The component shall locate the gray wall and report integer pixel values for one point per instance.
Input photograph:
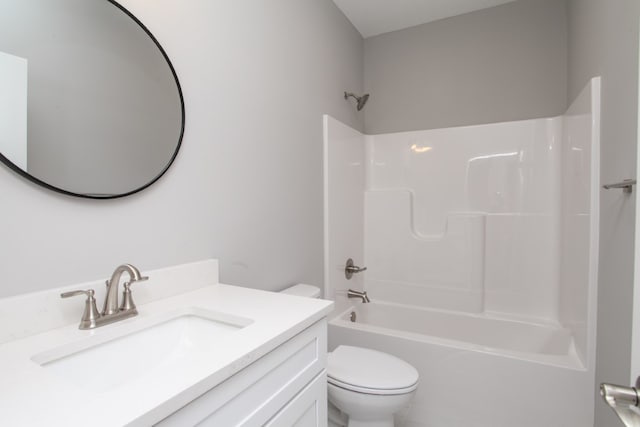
(247, 185)
(603, 40)
(504, 63)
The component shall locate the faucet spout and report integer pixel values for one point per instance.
(111, 300)
(357, 294)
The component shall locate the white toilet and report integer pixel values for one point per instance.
(368, 386)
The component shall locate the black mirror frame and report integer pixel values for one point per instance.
(48, 186)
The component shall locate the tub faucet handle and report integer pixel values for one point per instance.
(350, 269)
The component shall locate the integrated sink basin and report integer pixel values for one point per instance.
(141, 347)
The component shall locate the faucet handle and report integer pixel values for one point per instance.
(350, 269)
(91, 313)
(89, 293)
(127, 299)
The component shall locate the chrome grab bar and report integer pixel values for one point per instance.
(626, 185)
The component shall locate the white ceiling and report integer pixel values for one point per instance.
(373, 17)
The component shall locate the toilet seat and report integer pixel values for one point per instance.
(369, 371)
(364, 390)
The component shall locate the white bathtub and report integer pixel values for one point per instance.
(536, 342)
(476, 370)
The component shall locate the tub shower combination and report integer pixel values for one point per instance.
(480, 244)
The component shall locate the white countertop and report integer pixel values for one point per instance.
(30, 395)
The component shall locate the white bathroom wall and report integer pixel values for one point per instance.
(444, 271)
(344, 184)
(580, 219)
(246, 187)
(466, 218)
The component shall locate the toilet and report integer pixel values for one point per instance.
(366, 385)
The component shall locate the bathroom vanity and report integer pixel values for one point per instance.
(286, 387)
(199, 352)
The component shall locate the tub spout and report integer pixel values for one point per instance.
(357, 294)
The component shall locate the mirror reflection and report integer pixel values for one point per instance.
(90, 103)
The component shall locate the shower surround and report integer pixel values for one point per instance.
(492, 227)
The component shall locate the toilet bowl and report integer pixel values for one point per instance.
(368, 386)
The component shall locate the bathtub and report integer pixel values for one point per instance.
(476, 370)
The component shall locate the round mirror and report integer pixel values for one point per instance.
(91, 105)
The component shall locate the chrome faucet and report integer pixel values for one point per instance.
(111, 312)
(357, 294)
(111, 300)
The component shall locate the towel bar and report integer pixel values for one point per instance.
(626, 185)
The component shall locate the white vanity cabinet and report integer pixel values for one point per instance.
(198, 353)
(284, 388)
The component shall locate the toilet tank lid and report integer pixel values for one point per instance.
(371, 369)
(302, 290)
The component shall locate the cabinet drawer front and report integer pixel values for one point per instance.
(252, 396)
(307, 409)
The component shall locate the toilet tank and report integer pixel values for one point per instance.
(302, 290)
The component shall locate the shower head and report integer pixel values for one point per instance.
(362, 100)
